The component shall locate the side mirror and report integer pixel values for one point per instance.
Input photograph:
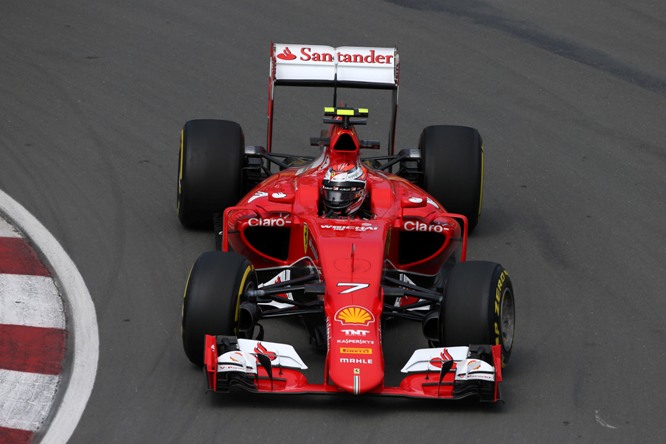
(255, 150)
(410, 153)
(413, 201)
(369, 144)
(281, 197)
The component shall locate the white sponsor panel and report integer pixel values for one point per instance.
(304, 62)
(285, 354)
(376, 65)
(421, 358)
(298, 62)
(475, 369)
(237, 361)
(430, 359)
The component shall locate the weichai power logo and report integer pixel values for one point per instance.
(354, 315)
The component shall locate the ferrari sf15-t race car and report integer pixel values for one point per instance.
(343, 241)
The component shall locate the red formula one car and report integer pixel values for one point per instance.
(345, 243)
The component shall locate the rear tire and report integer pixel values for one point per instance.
(478, 307)
(212, 155)
(452, 166)
(213, 294)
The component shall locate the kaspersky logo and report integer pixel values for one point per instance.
(354, 315)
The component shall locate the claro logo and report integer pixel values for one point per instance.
(414, 225)
(273, 222)
(307, 54)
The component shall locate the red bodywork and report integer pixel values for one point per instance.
(351, 255)
(280, 222)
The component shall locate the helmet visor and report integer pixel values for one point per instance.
(340, 195)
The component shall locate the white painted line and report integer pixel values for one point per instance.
(25, 399)
(32, 301)
(82, 324)
(602, 423)
(7, 230)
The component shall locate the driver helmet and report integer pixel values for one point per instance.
(343, 189)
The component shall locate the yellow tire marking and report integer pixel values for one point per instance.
(481, 189)
(180, 166)
(248, 270)
(182, 310)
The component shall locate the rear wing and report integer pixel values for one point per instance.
(326, 66)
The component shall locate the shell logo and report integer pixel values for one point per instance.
(353, 315)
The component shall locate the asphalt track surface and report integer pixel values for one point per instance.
(569, 96)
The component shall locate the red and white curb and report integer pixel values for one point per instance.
(32, 338)
(37, 382)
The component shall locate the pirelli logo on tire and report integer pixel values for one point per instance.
(498, 291)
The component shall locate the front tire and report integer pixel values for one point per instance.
(212, 155)
(213, 294)
(478, 307)
(452, 167)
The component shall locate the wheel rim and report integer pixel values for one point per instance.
(507, 317)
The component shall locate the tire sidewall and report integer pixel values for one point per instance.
(471, 312)
(210, 165)
(212, 298)
(452, 166)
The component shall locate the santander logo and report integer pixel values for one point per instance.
(286, 55)
(325, 54)
(261, 350)
(443, 357)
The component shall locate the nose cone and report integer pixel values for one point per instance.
(356, 363)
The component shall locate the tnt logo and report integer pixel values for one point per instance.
(350, 332)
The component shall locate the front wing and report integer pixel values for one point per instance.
(274, 368)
